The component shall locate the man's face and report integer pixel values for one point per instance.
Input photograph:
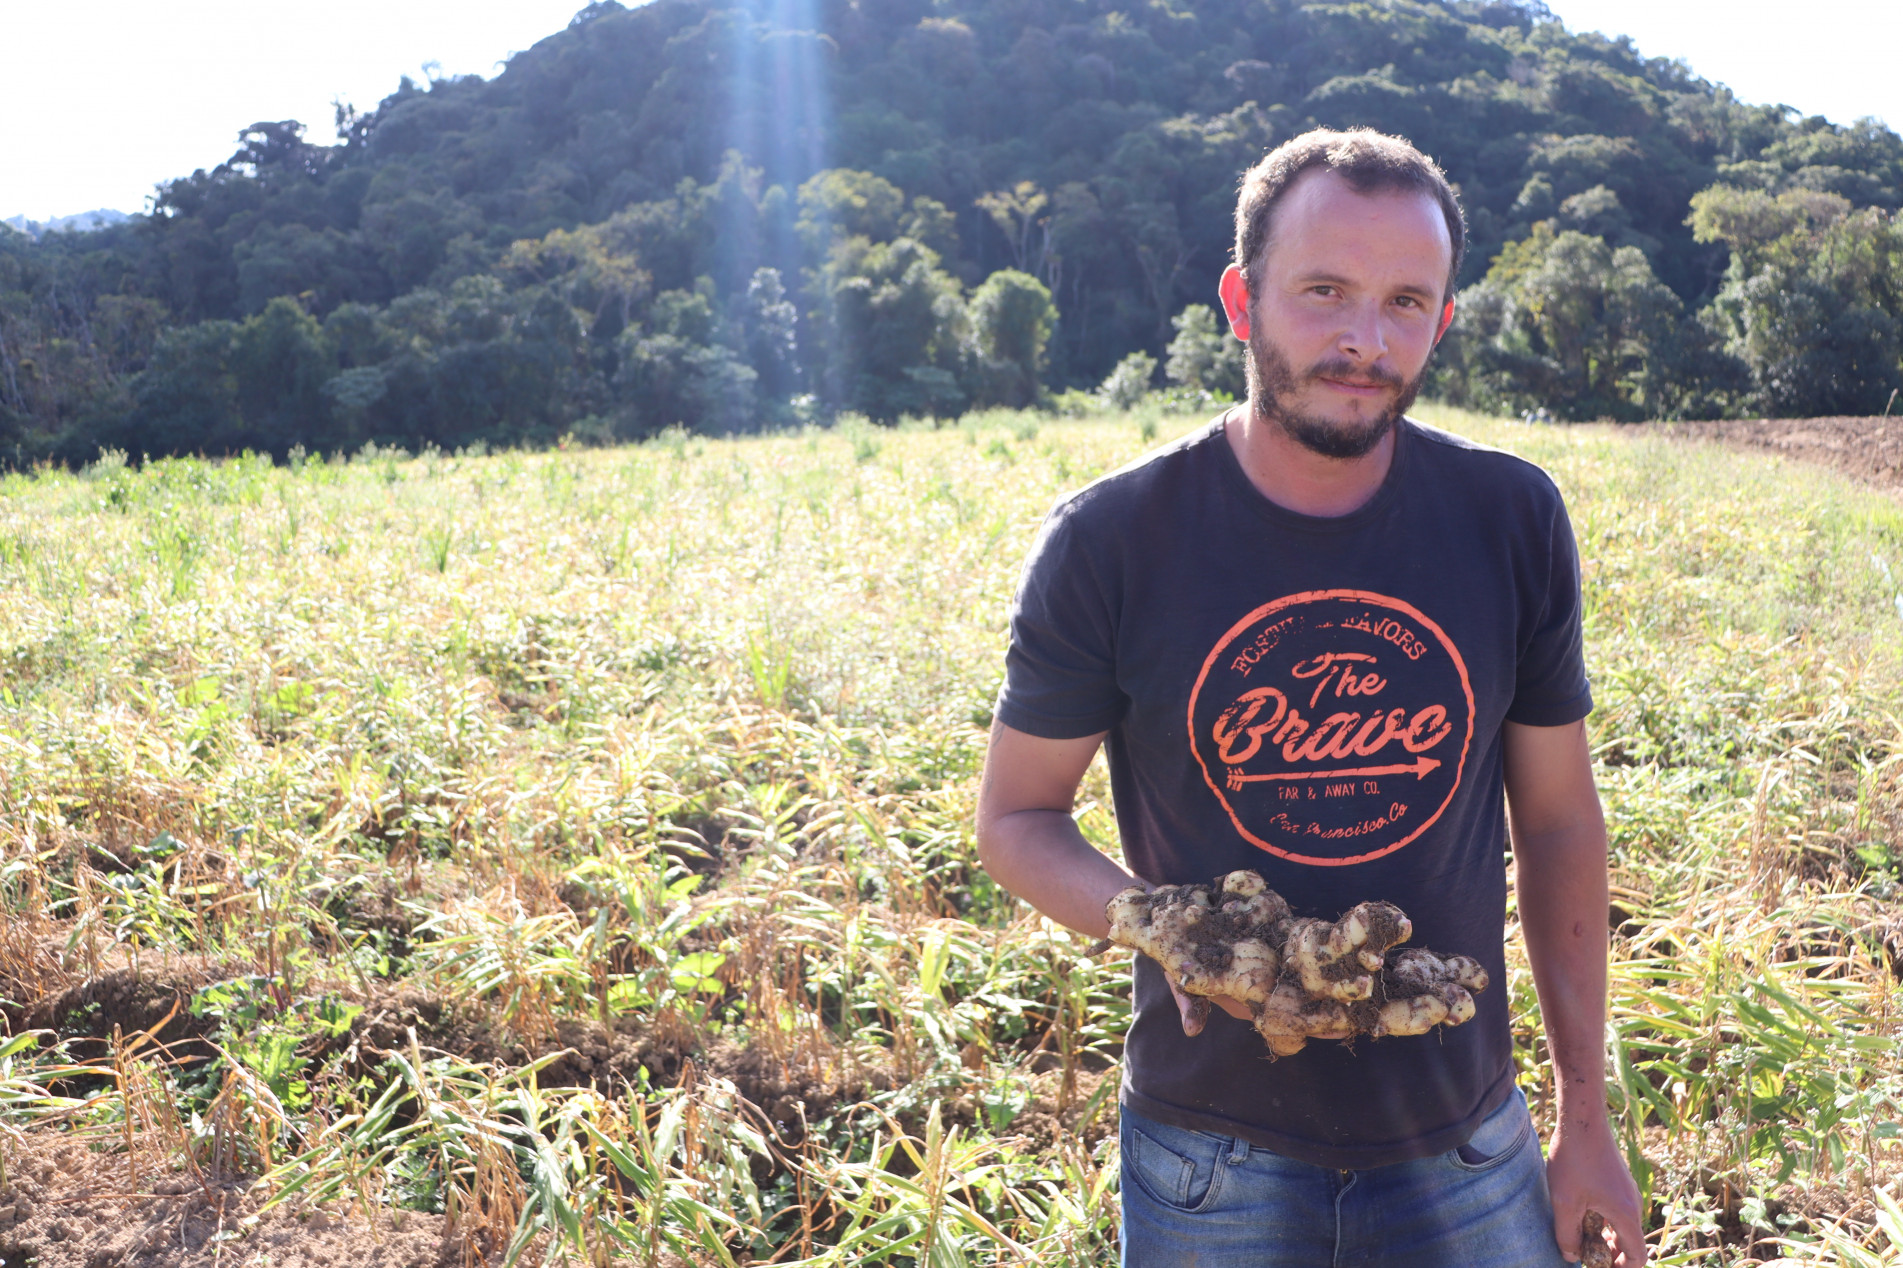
(1342, 311)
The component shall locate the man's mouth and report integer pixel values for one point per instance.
(1357, 387)
(1355, 380)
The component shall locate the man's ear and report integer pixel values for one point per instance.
(1446, 320)
(1234, 290)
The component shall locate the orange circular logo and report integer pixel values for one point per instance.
(1333, 725)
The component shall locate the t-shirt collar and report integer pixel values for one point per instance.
(1281, 515)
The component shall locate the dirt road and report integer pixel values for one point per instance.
(1870, 449)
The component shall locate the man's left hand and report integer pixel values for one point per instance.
(1586, 1172)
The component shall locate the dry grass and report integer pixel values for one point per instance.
(577, 845)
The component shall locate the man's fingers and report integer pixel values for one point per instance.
(1194, 1016)
(1630, 1235)
(1195, 1010)
(1233, 1006)
(1566, 1233)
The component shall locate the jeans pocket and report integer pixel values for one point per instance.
(1500, 1136)
(1183, 1174)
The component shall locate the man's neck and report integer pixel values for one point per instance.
(1295, 477)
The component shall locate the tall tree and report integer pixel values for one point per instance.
(1011, 321)
(1813, 297)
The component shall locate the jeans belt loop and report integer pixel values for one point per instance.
(1238, 1150)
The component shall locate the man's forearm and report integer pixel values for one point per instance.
(1559, 852)
(1040, 856)
(1027, 840)
(1562, 888)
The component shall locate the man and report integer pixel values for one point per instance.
(1319, 640)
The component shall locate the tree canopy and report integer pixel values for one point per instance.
(727, 215)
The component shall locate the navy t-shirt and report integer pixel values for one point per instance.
(1321, 700)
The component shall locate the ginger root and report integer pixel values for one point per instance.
(1301, 978)
(1593, 1251)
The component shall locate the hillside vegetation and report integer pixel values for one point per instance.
(730, 215)
(574, 848)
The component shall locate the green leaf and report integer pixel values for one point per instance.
(333, 1017)
(21, 1042)
(933, 958)
(694, 972)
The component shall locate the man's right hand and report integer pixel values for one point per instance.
(1195, 1008)
(1029, 843)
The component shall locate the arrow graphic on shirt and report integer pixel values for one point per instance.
(1417, 768)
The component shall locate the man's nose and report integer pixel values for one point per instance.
(1363, 338)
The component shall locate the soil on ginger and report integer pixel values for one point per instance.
(1868, 449)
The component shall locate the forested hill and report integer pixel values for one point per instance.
(730, 215)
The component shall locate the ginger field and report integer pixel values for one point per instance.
(568, 856)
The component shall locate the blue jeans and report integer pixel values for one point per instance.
(1196, 1200)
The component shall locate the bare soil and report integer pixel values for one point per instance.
(68, 1200)
(1868, 449)
(611, 1056)
(63, 1205)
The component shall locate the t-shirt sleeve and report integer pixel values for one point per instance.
(1551, 687)
(1060, 670)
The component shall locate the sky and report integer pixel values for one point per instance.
(1837, 58)
(101, 101)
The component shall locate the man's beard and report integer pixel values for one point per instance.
(1273, 381)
